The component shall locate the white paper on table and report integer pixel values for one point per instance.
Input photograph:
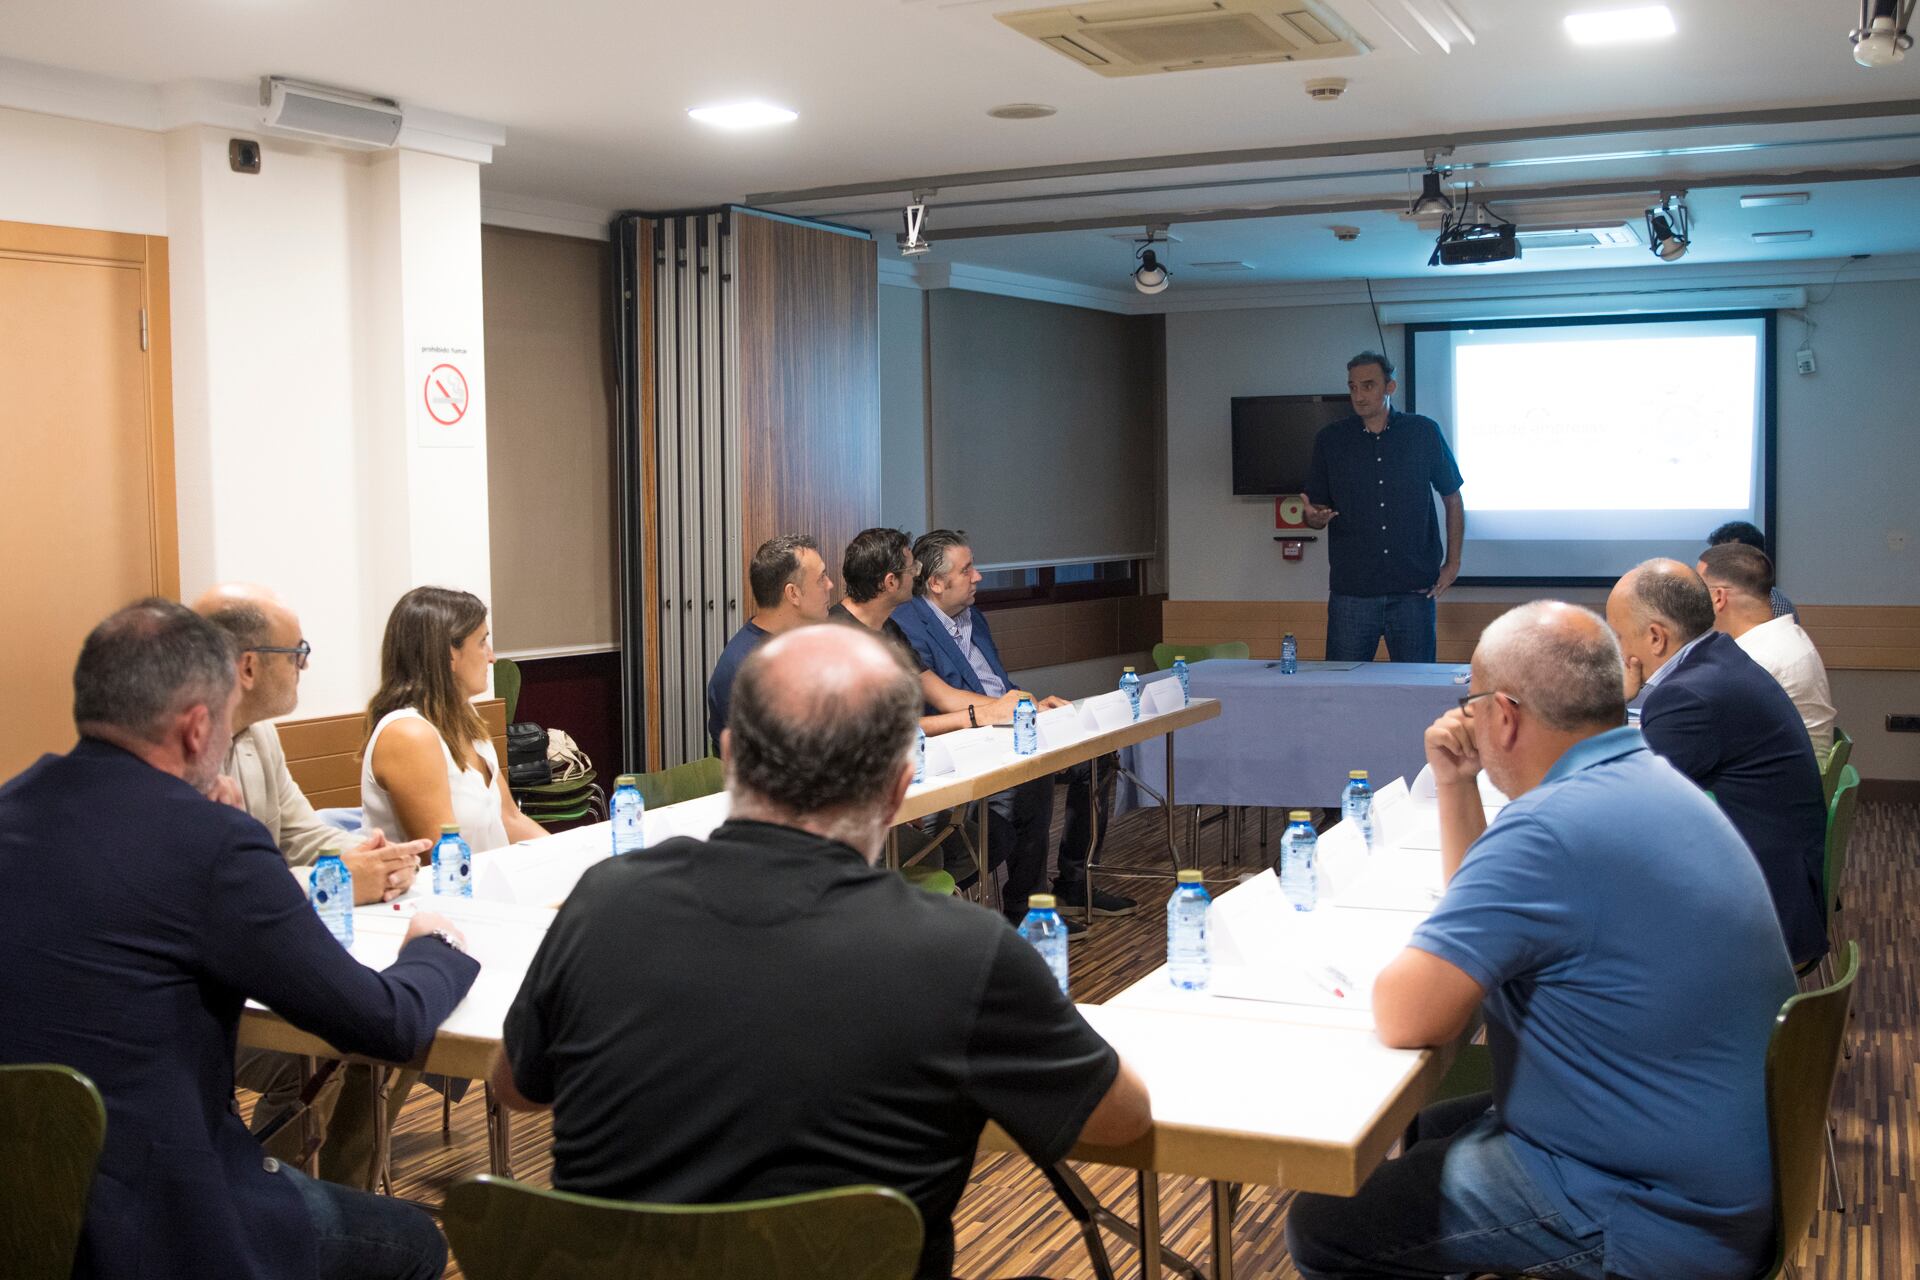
(1265, 950)
(1059, 727)
(1391, 879)
(1161, 696)
(1422, 830)
(939, 758)
(1390, 806)
(693, 818)
(1106, 712)
(539, 873)
(1424, 788)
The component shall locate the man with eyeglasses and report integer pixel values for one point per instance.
(254, 778)
(1619, 941)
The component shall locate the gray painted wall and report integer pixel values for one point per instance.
(903, 409)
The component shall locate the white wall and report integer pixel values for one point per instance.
(299, 295)
(1848, 449)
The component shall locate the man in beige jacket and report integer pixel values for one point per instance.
(255, 778)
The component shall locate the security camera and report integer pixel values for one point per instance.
(243, 155)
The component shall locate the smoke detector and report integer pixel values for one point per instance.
(1327, 90)
(1345, 234)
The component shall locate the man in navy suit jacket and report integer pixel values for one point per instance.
(1722, 720)
(142, 916)
(951, 636)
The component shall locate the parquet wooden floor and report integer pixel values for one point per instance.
(1008, 1224)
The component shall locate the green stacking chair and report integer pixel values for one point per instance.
(1846, 799)
(1837, 756)
(505, 1230)
(52, 1126)
(1802, 1059)
(1164, 654)
(683, 782)
(506, 684)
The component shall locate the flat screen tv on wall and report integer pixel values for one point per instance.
(1273, 440)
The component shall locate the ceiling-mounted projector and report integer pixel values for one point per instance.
(1465, 245)
(334, 115)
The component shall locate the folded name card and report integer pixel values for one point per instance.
(939, 758)
(1106, 713)
(1058, 728)
(529, 876)
(1161, 696)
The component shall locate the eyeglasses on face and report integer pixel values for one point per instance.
(299, 652)
(1489, 693)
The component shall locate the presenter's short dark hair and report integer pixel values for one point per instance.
(932, 550)
(870, 557)
(148, 662)
(817, 751)
(774, 565)
(1372, 357)
(1738, 531)
(1735, 564)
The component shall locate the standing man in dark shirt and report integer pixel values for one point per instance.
(766, 1012)
(788, 578)
(1371, 487)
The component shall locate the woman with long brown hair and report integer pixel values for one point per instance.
(428, 760)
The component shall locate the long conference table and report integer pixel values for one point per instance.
(1271, 1076)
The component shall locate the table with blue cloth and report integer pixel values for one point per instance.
(1289, 741)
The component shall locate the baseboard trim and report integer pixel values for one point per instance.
(1891, 790)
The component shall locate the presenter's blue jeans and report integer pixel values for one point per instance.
(362, 1236)
(1356, 623)
(1456, 1202)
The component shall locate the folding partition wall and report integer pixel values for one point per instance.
(748, 372)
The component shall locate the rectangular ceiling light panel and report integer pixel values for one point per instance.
(1153, 37)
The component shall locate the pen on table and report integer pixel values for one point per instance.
(1330, 980)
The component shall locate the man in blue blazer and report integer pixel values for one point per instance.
(1721, 719)
(141, 916)
(950, 634)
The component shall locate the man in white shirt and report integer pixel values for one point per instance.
(1740, 579)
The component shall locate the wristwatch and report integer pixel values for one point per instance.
(447, 938)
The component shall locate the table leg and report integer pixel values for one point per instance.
(309, 1130)
(1173, 848)
(377, 1173)
(1148, 1183)
(1093, 827)
(1222, 1230)
(499, 1138)
(983, 860)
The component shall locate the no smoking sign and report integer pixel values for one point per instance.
(446, 394)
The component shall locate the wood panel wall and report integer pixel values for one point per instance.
(1045, 635)
(323, 754)
(1849, 637)
(809, 383)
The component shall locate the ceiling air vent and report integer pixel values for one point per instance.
(1149, 37)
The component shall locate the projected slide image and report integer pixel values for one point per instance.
(1607, 424)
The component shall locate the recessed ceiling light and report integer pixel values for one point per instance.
(1780, 237)
(1021, 111)
(1767, 199)
(743, 115)
(1615, 26)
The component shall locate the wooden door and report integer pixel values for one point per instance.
(86, 461)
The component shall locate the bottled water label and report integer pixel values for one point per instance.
(1299, 869)
(1130, 685)
(1356, 806)
(1189, 962)
(330, 889)
(453, 867)
(1185, 678)
(1026, 730)
(919, 754)
(629, 821)
(1289, 655)
(1044, 928)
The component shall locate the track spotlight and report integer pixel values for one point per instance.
(1150, 275)
(1668, 232)
(914, 242)
(1881, 39)
(1432, 199)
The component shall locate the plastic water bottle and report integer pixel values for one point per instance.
(919, 754)
(1356, 805)
(1299, 862)
(330, 889)
(628, 810)
(1026, 733)
(1289, 655)
(1130, 685)
(1189, 963)
(1044, 928)
(452, 864)
(1185, 678)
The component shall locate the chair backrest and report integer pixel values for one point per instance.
(52, 1125)
(1164, 653)
(505, 1230)
(1846, 798)
(687, 781)
(1802, 1057)
(506, 684)
(1837, 756)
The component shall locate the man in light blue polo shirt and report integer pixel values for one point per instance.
(1620, 941)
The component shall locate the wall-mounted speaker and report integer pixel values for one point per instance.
(332, 115)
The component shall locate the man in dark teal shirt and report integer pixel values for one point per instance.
(1371, 487)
